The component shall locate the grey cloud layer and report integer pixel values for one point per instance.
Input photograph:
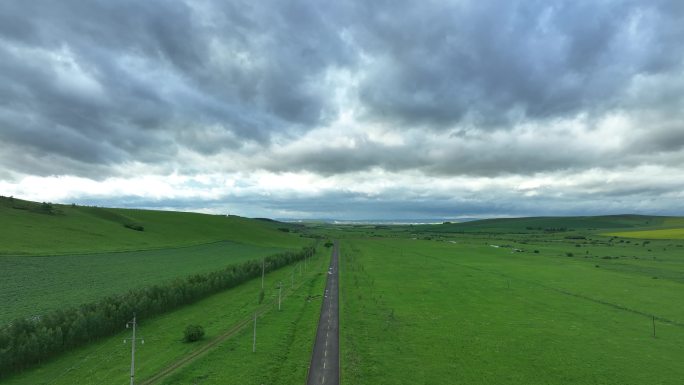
(107, 82)
(88, 86)
(494, 63)
(588, 199)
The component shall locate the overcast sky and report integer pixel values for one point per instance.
(345, 109)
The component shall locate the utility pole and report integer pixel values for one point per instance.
(133, 323)
(263, 270)
(254, 339)
(280, 289)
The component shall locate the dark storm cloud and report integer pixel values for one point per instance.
(86, 87)
(109, 82)
(495, 63)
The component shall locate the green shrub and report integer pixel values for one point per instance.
(193, 333)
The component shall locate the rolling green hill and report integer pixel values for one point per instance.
(53, 256)
(555, 224)
(31, 228)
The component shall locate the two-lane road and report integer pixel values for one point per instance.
(325, 358)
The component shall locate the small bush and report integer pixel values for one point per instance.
(328, 244)
(569, 254)
(43, 208)
(193, 333)
(134, 226)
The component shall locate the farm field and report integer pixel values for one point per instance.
(676, 233)
(283, 338)
(470, 309)
(33, 285)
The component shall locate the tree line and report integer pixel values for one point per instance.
(28, 341)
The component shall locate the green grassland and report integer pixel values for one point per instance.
(506, 301)
(284, 340)
(488, 309)
(284, 343)
(30, 228)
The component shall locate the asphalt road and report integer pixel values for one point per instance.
(325, 358)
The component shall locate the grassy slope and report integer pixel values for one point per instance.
(37, 273)
(285, 339)
(424, 312)
(522, 225)
(86, 229)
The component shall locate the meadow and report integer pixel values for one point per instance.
(511, 309)
(284, 338)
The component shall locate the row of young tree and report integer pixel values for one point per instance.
(28, 341)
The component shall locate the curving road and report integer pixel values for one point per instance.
(325, 358)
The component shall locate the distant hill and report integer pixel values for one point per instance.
(33, 228)
(558, 224)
